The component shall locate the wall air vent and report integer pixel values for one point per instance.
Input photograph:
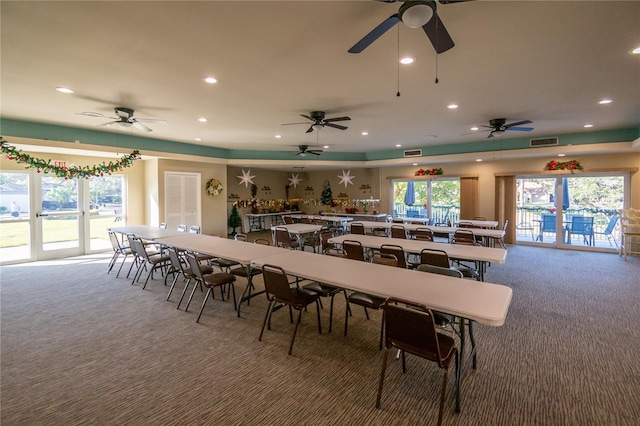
(413, 153)
(544, 142)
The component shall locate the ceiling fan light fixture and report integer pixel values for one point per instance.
(317, 127)
(124, 124)
(416, 13)
(497, 133)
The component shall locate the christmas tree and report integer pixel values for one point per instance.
(326, 197)
(234, 219)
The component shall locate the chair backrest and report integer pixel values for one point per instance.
(398, 231)
(194, 229)
(194, 265)
(434, 257)
(413, 213)
(506, 223)
(612, 224)
(163, 225)
(385, 259)
(582, 225)
(463, 236)
(139, 248)
(397, 220)
(397, 251)
(305, 220)
(240, 237)
(288, 220)
(548, 223)
(182, 228)
(175, 259)
(411, 326)
(282, 237)
(115, 243)
(336, 252)
(262, 241)
(423, 234)
(463, 224)
(325, 235)
(357, 228)
(353, 249)
(440, 270)
(479, 218)
(276, 283)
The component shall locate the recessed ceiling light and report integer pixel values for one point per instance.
(202, 120)
(278, 136)
(605, 101)
(364, 133)
(210, 80)
(588, 125)
(474, 128)
(452, 106)
(561, 155)
(478, 159)
(398, 145)
(636, 51)
(199, 139)
(415, 164)
(326, 146)
(64, 89)
(407, 60)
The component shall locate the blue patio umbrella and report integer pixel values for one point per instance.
(410, 194)
(566, 203)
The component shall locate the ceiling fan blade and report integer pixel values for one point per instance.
(140, 126)
(151, 120)
(291, 124)
(438, 34)
(336, 126)
(109, 123)
(330, 120)
(452, 1)
(307, 117)
(310, 129)
(520, 129)
(386, 25)
(95, 114)
(507, 126)
(314, 152)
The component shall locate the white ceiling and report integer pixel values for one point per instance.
(550, 62)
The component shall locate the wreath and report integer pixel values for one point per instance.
(214, 187)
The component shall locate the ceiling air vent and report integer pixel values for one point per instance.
(544, 142)
(413, 153)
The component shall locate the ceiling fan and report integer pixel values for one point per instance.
(303, 150)
(317, 121)
(421, 13)
(497, 127)
(124, 119)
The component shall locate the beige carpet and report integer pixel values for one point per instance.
(79, 346)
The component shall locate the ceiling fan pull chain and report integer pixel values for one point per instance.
(398, 64)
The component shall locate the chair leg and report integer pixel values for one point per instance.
(204, 302)
(346, 316)
(443, 391)
(266, 317)
(195, 285)
(295, 330)
(382, 329)
(457, 378)
(331, 313)
(113, 260)
(121, 265)
(382, 373)
(173, 283)
(318, 312)
(184, 290)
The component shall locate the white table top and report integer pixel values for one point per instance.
(482, 302)
(480, 223)
(419, 220)
(270, 214)
(334, 219)
(239, 251)
(456, 251)
(299, 228)
(146, 232)
(369, 215)
(480, 232)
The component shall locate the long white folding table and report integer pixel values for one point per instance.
(482, 255)
(358, 216)
(239, 251)
(482, 302)
(146, 232)
(490, 224)
(480, 232)
(297, 229)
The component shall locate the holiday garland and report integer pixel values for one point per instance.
(72, 172)
(563, 165)
(429, 172)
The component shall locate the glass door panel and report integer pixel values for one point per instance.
(15, 230)
(59, 224)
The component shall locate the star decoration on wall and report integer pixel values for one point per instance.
(346, 178)
(246, 178)
(294, 180)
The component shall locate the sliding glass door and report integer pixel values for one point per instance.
(436, 199)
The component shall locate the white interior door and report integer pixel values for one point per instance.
(182, 199)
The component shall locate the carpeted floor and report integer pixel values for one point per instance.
(79, 346)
